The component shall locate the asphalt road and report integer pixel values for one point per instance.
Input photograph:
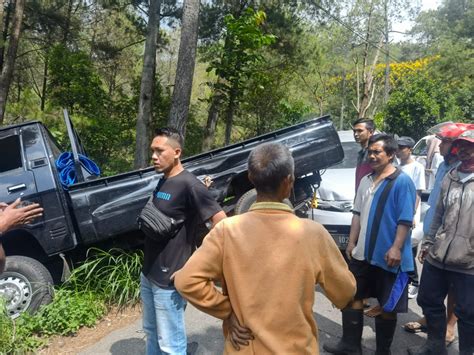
(205, 336)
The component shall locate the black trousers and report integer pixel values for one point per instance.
(434, 287)
(413, 275)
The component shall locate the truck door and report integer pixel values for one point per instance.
(15, 181)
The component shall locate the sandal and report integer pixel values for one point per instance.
(415, 327)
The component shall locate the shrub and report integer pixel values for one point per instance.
(113, 274)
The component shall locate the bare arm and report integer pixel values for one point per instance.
(353, 235)
(393, 255)
(12, 216)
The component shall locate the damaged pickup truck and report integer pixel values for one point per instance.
(103, 211)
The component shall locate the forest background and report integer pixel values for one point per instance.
(224, 70)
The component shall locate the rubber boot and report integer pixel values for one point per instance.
(436, 343)
(466, 338)
(384, 331)
(352, 324)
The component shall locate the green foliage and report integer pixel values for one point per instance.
(113, 274)
(236, 61)
(106, 279)
(73, 81)
(417, 103)
(69, 311)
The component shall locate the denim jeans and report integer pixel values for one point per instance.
(163, 319)
(434, 286)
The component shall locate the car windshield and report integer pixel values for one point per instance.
(350, 156)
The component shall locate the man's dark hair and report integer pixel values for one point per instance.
(369, 124)
(268, 165)
(389, 143)
(172, 133)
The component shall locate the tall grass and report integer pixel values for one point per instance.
(113, 274)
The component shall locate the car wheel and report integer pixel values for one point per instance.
(248, 199)
(25, 284)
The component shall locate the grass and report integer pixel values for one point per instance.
(105, 279)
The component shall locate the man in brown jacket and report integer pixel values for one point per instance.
(269, 262)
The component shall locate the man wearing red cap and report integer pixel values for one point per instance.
(449, 252)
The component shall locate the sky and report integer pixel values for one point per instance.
(406, 25)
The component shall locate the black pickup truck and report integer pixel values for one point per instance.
(95, 211)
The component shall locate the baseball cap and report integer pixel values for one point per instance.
(405, 141)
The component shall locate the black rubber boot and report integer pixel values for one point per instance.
(384, 331)
(466, 338)
(352, 324)
(436, 342)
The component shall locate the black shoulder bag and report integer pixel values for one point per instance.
(157, 225)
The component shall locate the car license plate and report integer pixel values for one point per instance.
(341, 240)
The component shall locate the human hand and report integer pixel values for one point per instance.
(349, 248)
(13, 215)
(3, 205)
(424, 250)
(207, 181)
(393, 256)
(238, 334)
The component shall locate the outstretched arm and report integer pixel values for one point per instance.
(12, 215)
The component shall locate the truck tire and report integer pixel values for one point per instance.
(26, 284)
(247, 200)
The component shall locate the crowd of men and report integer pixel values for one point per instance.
(251, 255)
(267, 261)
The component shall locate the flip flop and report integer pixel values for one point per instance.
(414, 327)
(373, 311)
(450, 339)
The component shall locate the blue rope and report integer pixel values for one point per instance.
(67, 170)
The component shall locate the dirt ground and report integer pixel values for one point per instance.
(88, 336)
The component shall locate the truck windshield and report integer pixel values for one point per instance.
(11, 153)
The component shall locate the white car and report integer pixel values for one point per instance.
(335, 195)
(336, 192)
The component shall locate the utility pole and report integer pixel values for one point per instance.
(343, 100)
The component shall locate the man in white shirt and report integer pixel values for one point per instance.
(416, 172)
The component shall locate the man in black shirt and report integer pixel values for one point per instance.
(180, 195)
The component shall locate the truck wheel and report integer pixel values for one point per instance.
(25, 284)
(247, 200)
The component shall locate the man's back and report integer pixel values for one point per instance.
(270, 261)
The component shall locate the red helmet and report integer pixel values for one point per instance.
(467, 135)
(450, 130)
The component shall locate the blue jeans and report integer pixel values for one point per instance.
(163, 319)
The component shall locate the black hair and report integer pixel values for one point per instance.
(369, 124)
(390, 145)
(268, 165)
(172, 133)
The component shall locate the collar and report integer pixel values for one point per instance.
(271, 206)
(392, 176)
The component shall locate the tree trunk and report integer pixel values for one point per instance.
(185, 69)
(212, 118)
(45, 82)
(67, 25)
(7, 70)
(146, 87)
(5, 24)
(230, 116)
